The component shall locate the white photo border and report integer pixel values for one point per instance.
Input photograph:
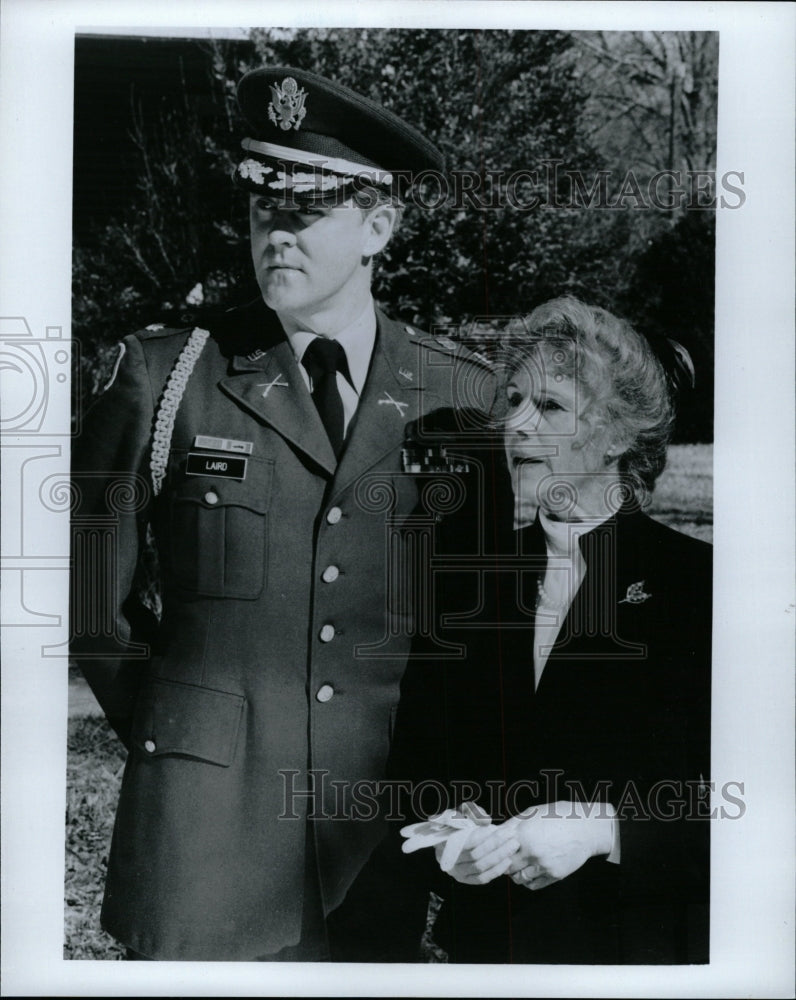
(752, 859)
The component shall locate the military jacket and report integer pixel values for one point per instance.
(266, 694)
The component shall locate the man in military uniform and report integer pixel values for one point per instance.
(268, 456)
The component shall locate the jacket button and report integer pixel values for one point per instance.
(211, 497)
(330, 574)
(327, 633)
(325, 692)
(333, 515)
(149, 746)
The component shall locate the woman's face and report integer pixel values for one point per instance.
(556, 444)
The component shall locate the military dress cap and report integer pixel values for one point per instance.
(311, 134)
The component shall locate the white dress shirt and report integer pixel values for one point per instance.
(564, 574)
(357, 340)
(563, 577)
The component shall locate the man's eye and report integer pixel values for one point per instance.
(312, 210)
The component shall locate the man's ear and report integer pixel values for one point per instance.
(379, 224)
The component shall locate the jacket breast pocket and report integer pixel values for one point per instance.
(185, 720)
(218, 530)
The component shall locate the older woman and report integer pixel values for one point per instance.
(577, 718)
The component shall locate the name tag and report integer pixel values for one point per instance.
(225, 466)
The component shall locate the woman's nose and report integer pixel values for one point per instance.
(523, 421)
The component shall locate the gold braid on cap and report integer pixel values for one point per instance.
(169, 404)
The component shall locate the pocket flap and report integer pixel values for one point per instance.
(253, 491)
(176, 718)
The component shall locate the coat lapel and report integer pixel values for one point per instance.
(269, 384)
(390, 400)
(592, 628)
(388, 403)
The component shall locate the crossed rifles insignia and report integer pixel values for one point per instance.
(268, 386)
(287, 105)
(389, 401)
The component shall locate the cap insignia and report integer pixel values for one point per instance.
(287, 105)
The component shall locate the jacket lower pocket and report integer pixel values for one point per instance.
(187, 720)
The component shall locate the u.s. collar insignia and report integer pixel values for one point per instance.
(635, 594)
(287, 105)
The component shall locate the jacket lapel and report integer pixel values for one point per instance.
(388, 403)
(592, 629)
(269, 384)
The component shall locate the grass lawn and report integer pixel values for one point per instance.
(95, 760)
(683, 496)
(94, 763)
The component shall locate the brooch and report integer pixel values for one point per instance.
(635, 594)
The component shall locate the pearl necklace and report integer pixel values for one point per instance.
(545, 600)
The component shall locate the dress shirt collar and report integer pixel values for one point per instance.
(357, 341)
(559, 535)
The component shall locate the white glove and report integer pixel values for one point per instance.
(454, 833)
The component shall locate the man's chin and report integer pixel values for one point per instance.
(281, 300)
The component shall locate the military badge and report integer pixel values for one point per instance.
(223, 444)
(435, 458)
(399, 405)
(115, 372)
(268, 386)
(286, 108)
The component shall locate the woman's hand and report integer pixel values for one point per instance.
(485, 853)
(557, 839)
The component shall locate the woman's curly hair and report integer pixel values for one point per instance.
(622, 378)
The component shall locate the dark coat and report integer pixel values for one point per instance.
(622, 713)
(240, 697)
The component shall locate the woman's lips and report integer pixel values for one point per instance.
(518, 460)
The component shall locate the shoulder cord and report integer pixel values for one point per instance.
(169, 404)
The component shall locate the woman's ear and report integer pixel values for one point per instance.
(614, 452)
(379, 224)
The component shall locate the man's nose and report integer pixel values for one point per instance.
(281, 231)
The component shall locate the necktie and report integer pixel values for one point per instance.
(323, 359)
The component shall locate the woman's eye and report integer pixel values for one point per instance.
(514, 397)
(550, 405)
